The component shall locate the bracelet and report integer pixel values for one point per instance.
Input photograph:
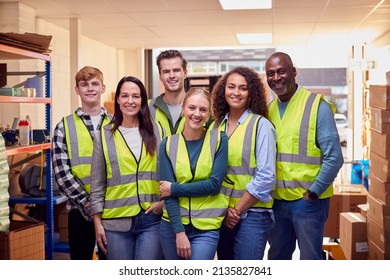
(234, 207)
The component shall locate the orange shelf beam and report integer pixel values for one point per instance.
(11, 151)
(9, 52)
(22, 99)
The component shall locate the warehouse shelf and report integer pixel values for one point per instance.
(14, 53)
(17, 150)
(23, 199)
(23, 99)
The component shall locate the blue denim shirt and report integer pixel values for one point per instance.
(261, 185)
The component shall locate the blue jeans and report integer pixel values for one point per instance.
(203, 242)
(298, 220)
(247, 240)
(141, 242)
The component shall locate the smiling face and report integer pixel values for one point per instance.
(281, 75)
(196, 111)
(172, 74)
(90, 91)
(236, 92)
(129, 100)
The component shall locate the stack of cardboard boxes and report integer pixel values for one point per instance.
(346, 198)
(378, 198)
(353, 235)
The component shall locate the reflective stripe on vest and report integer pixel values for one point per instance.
(302, 157)
(131, 184)
(79, 143)
(162, 121)
(205, 212)
(242, 163)
(298, 159)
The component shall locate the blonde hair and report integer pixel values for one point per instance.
(197, 90)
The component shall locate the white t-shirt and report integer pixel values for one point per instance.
(133, 139)
(95, 121)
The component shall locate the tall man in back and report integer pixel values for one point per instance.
(166, 108)
(309, 157)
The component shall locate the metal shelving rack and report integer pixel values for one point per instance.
(12, 53)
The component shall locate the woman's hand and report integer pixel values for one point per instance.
(100, 233)
(156, 208)
(165, 189)
(232, 218)
(183, 246)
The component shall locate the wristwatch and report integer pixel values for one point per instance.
(312, 195)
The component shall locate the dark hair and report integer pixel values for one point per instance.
(171, 54)
(145, 119)
(282, 54)
(257, 99)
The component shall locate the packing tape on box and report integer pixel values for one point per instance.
(356, 217)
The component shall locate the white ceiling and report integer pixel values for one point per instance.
(202, 23)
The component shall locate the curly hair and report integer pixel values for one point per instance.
(257, 97)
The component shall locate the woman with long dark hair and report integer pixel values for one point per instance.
(125, 196)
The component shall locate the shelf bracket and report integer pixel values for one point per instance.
(13, 165)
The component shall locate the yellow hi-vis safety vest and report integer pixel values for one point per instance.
(162, 121)
(131, 185)
(242, 160)
(79, 143)
(204, 212)
(298, 158)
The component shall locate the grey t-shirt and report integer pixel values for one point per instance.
(175, 111)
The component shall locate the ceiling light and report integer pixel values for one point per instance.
(245, 4)
(255, 38)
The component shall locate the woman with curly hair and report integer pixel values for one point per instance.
(240, 109)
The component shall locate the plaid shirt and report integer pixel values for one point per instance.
(69, 185)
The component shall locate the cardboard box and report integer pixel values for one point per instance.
(380, 166)
(353, 236)
(380, 143)
(379, 96)
(380, 120)
(24, 241)
(343, 202)
(63, 234)
(378, 235)
(375, 253)
(379, 189)
(363, 208)
(60, 216)
(378, 211)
